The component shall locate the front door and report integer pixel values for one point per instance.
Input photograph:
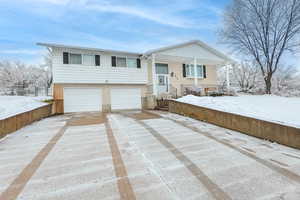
(163, 83)
(162, 77)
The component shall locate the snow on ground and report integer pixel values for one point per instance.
(12, 105)
(284, 110)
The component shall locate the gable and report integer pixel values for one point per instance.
(192, 50)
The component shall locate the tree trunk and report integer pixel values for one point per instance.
(268, 84)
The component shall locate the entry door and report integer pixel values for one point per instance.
(162, 77)
(163, 83)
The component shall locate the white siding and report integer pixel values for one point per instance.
(191, 51)
(66, 73)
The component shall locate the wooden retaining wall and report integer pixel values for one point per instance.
(14, 123)
(282, 134)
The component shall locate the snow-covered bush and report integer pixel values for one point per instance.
(246, 77)
(15, 75)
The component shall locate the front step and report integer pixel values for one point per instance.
(164, 108)
(162, 104)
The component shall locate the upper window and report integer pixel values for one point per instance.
(88, 60)
(190, 72)
(131, 62)
(161, 68)
(75, 59)
(121, 62)
(125, 62)
(81, 59)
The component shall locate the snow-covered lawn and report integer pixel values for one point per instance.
(284, 110)
(12, 105)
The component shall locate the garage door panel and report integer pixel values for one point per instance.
(82, 99)
(125, 98)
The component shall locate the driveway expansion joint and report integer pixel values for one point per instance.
(211, 187)
(124, 185)
(17, 186)
(280, 170)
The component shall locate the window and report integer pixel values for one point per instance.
(161, 80)
(190, 71)
(161, 68)
(75, 59)
(88, 60)
(121, 62)
(125, 62)
(131, 63)
(81, 59)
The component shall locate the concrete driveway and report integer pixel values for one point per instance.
(143, 155)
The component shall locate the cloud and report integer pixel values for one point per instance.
(129, 25)
(170, 13)
(150, 14)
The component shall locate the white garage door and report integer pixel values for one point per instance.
(125, 98)
(82, 99)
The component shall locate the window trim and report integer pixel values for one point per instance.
(188, 75)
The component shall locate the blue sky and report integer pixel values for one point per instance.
(132, 25)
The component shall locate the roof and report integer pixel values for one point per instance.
(86, 48)
(147, 53)
(198, 42)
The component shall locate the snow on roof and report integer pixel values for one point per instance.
(198, 42)
(86, 48)
(147, 53)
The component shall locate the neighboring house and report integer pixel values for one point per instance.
(90, 79)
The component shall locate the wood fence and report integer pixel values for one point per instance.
(14, 123)
(282, 134)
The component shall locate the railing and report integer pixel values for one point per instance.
(173, 92)
(162, 104)
(198, 91)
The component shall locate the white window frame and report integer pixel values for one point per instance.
(127, 57)
(188, 75)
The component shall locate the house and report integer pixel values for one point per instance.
(92, 79)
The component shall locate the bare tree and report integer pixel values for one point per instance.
(47, 65)
(286, 81)
(15, 74)
(246, 75)
(11, 73)
(221, 78)
(264, 30)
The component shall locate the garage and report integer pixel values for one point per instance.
(125, 98)
(83, 99)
